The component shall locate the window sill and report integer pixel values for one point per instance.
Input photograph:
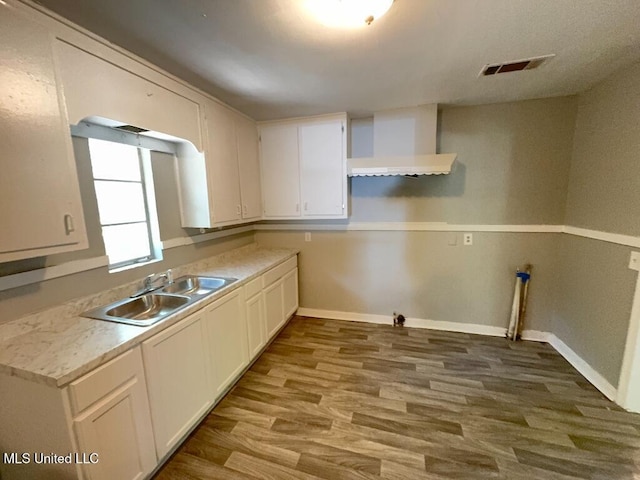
(134, 265)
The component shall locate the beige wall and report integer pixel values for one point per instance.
(594, 303)
(593, 311)
(512, 168)
(29, 298)
(420, 275)
(604, 191)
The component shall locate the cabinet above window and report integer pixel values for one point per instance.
(101, 92)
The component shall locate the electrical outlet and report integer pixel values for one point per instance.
(634, 261)
(468, 239)
(307, 236)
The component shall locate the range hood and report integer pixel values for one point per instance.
(398, 142)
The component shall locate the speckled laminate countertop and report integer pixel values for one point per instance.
(57, 346)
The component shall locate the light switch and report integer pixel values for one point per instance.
(307, 236)
(634, 261)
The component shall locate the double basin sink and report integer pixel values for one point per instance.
(148, 308)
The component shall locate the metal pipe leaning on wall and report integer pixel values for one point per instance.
(519, 305)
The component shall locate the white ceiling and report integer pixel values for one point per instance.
(269, 59)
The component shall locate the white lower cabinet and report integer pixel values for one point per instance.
(178, 378)
(290, 293)
(274, 308)
(226, 331)
(256, 324)
(115, 428)
(280, 295)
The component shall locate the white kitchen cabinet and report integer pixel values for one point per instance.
(222, 164)
(179, 386)
(249, 166)
(105, 93)
(280, 295)
(221, 187)
(116, 423)
(280, 170)
(39, 192)
(323, 173)
(256, 324)
(274, 308)
(226, 331)
(290, 293)
(304, 169)
(256, 321)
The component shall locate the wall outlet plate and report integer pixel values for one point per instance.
(307, 236)
(467, 239)
(634, 261)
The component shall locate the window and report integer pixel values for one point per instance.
(126, 202)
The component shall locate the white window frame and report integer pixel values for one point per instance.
(144, 148)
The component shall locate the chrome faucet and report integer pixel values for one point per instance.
(150, 280)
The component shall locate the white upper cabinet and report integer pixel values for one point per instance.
(96, 89)
(323, 172)
(249, 166)
(221, 156)
(280, 170)
(221, 187)
(39, 193)
(304, 170)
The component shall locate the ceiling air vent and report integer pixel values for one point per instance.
(514, 66)
(132, 129)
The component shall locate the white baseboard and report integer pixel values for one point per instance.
(410, 322)
(562, 348)
(583, 367)
(535, 336)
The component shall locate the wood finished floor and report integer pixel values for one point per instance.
(341, 400)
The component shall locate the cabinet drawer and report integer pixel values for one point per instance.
(253, 287)
(278, 272)
(103, 380)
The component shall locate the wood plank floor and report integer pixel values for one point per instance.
(341, 400)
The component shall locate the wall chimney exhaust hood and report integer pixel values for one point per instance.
(404, 143)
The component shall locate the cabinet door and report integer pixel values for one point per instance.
(274, 307)
(175, 363)
(222, 164)
(226, 331)
(280, 171)
(249, 165)
(256, 324)
(290, 293)
(323, 174)
(118, 429)
(39, 192)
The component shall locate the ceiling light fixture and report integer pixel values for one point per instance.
(347, 13)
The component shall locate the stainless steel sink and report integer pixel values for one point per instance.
(144, 310)
(147, 309)
(193, 285)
